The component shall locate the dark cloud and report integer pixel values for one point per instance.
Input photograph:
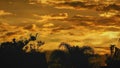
(93, 23)
(75, 4)
(109, 7)
(31, 27)
(7, 31)
(113, 29)
(10, 33)
(86, 5)
(24, 12)
(57, 29)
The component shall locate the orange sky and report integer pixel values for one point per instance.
(79, 22)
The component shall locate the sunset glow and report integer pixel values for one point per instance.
(72, 21)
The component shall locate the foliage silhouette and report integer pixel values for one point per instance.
(13, 55)
(59, 59)
(113, 61)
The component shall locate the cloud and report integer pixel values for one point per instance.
(3, 13)
(44, 18)
(109, 14)
(60, 28)
(94, 23)
(11, 33)
(71, 5)
(76, 22)
(31, 27)
(48, 25)
(80, 28)
(92, 5)
(8, 32)
(102, 50)
(111, 7)
(35, 1)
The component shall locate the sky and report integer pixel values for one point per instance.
(78, 22)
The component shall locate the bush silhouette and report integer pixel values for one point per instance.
(14, 54)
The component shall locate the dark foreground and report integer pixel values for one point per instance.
(12, 55)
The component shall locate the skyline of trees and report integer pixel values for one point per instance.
(12, 55)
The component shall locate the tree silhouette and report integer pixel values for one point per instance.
(33, 38)
(78, 56)
(12, 55)
(59, 59)
(113, 61)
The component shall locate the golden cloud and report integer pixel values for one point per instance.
(63, 25)
(31, 27)
(3, 13)
(45, 18)
(8, 32)
(84, 5)
(48, 25)
(109, 14)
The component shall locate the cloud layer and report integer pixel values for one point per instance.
(76, 22)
